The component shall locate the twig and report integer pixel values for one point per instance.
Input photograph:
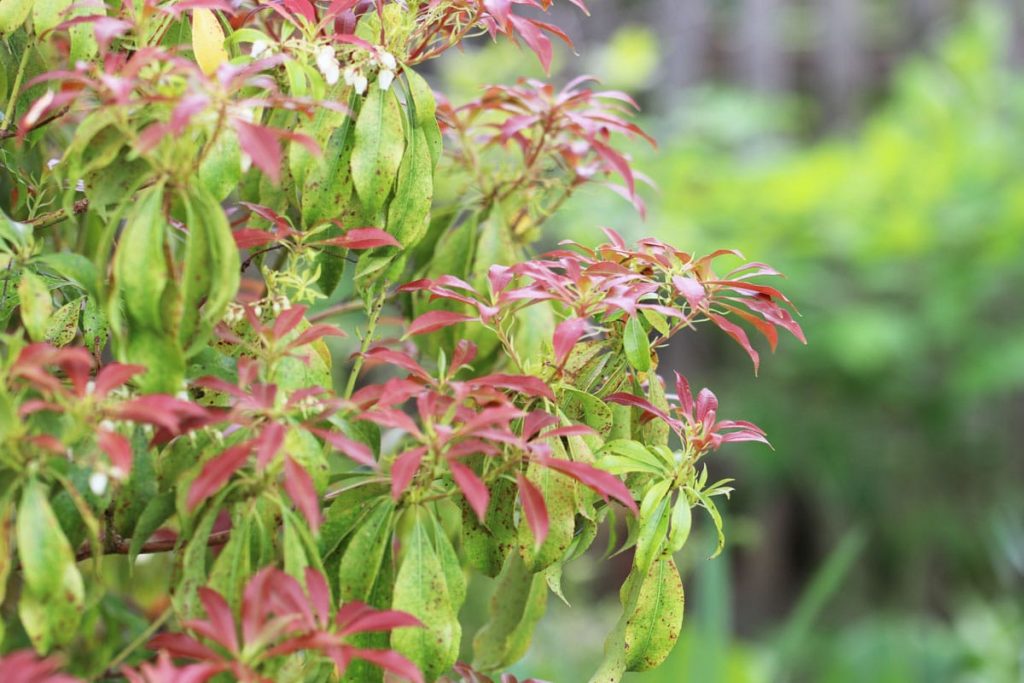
(5, 134)
(49, 218)
(121, 546)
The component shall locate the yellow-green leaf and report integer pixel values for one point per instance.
(207, 40)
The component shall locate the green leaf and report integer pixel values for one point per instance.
(654, 432)
(579, 406)
(7, 534)
(140, 266)
(487, 545)
(161, 355)
(454, 576)
(345, 512)
(654, 626)
(18, 235)
(140, 488)
(54, 595)
(362, 559)
(36, 305)
(653, 525)
(421, 590)
(94, 327)
(233, 566)
(74, 268)
(48, 13)
(157, 511)
(559, 491)
(190, 565)
(13, 14)
(379, 142)
(636, 345)
(409, 211)
(682, 519)
(518, 603)
(212, 266)
(63, 324)
(327, 182)
(221, 168)
(626, 455)
(425, 116)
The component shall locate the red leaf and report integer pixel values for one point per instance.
(524, 384)
(268, 443)
(436, 320)
(182, 646)
(534, 507)
(737, 333)
(626, 399)
(117, 448)
(319, 595)
(261, 144)
(314, 332)
(302, 8)
(600, 481)
(288, 320)
(533, 36)
(403, 469)
(356, 617)
(567, 334)
(217, 472)
(355, 450)
(221, 619)
(389, 660)
(474, 490)
(113, 376)
(299, 487)
(403, 360)
(363, 238)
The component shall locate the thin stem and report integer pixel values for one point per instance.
(371, 328)
(16, 90)
(140, 640)
(337, 309)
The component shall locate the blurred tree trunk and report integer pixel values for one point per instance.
(760, 59)
(840, 64)
(683, 28)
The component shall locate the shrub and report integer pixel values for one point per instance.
(193, 190)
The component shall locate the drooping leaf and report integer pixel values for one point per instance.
(53, 598)
(654, 626)
(421, 590)
(377, 155)
(519, 602)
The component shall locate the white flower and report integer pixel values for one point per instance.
(360, 83)
(258, 48)
(98, 483)
(387, 60)
(51, 163)
(327, 63)
(385, 78)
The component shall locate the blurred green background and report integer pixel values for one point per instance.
(873, 152)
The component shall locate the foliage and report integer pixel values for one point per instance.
(185, 184)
